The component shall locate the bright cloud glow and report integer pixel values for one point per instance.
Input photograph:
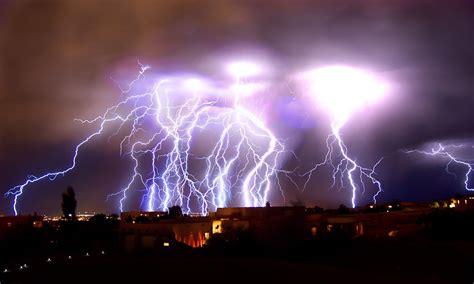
(194, 84)
(247, 89)
(244, 69)
(342, 90)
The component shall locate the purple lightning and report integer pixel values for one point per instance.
(163, 126)
(451, 153)
(341, 91)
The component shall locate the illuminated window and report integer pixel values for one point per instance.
(360, 229)
(206, 235)
(329, 227)
(314, 231)
(166, 244)
(217, 227)
(393, 233)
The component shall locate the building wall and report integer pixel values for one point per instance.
(137, 236)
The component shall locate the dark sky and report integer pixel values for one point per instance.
(57, 59)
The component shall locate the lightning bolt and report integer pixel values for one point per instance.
(345, 168)
(161, 126)
(342, 91)
(449, 152)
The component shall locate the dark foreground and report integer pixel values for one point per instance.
(335, 262)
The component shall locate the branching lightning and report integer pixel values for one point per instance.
(341, 91)
(450, 152)
(346, 168)
(159, 129)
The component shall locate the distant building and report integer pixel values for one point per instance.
(11, 223)
(147, 231)
(273, 226)
(269, 226)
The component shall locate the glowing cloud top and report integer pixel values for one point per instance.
(343, 90)
(241, 69)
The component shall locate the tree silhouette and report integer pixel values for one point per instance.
(175, 211)
(342, 209)
(318, 209)
(69, 204)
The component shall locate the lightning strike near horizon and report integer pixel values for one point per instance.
(161, 131)
(341, 91)
(454, 155)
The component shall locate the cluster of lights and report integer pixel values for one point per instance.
(48, 260)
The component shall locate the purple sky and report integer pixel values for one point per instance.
(57, 59)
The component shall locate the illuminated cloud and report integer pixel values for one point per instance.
(343, 90)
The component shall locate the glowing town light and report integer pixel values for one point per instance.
(342, 90)
(243, 69)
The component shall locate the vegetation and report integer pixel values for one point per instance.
(69, 204)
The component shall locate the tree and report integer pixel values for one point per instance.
(69, 204)
(318, 209)
(342, 209)
(175, 211)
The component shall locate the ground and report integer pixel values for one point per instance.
(380, 263)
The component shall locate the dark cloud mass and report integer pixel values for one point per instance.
(57, 59)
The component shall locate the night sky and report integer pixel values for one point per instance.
(61, 60)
